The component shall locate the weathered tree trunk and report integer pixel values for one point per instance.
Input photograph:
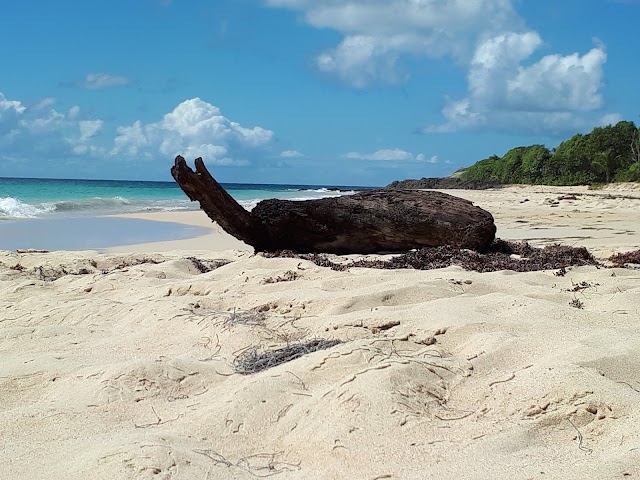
(367, 222)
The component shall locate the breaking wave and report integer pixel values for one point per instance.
(13, 208)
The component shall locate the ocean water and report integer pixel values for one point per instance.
(22, 198)
(56, 214)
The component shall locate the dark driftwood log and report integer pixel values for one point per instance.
(367, 222)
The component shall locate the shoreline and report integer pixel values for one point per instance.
(89, 232)
(215, 239)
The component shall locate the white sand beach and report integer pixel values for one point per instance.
(124, 364)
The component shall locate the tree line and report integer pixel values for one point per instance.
(606, 154)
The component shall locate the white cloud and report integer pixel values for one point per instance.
(361, 60)
(508, 87)
(45, 103)
(89, 128)
(498, 79)
(378, 32)
(97, 81)
(555, 83)
(547, 96)
(74, 112)
(193, 129)
(10, 110)
(291, 154)
(610, 119)
(31, 131)
(393, 154)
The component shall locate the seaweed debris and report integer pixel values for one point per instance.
(502, 255)
(254, 360)
(241, 317)
(288, 276)
(206, 266)
(622, 259)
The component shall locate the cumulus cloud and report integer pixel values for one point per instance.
(89, 129)
(392, 154)
(194, 128)
(498, 78)
(508, 87)
(377, 33)
(98, 81)
(361, 60)
(30, 131)
(547, 96)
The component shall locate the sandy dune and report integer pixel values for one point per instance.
(123, 366)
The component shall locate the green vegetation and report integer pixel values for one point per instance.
(607, 154)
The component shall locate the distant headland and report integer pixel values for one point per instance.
(606, 154)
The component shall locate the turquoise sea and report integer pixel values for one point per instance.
(57, 214)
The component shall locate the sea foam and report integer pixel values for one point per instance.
(14, 208)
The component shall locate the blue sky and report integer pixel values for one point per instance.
(349, 92)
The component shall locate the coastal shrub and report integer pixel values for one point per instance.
(605, 154)
(631, 174)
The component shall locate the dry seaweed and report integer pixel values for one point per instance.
(51, 273)
(288, 276)
(242, 317)
(502, 255)
(254, 360)
(126, 262)
(578, 287)
(576, 303)
(622, 259)
(205, 266)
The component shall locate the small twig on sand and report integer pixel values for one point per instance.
(304, 386)
(362, 372)
(259, 465)
(630, 386)
(455, 418)
(580, 439)
(513, 375)
(216, 457)
(158, 421)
